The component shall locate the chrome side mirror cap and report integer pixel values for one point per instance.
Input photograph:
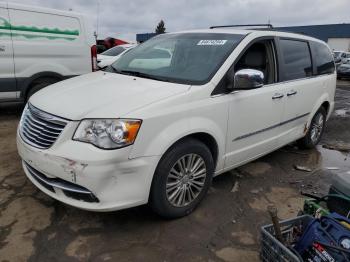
(248, 79)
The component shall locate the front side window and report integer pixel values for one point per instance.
(188, 58)
(296, 59)
(323, 59)
(259, 56)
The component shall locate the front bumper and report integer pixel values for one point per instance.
(112, 181)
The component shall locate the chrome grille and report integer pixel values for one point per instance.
(40, 129)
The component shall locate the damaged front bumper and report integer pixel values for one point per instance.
(86, 177)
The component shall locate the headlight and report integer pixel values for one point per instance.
(108, 133)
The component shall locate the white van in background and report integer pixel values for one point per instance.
(40, 46)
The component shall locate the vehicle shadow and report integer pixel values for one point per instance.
(8, 110)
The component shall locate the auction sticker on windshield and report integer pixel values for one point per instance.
(211, 42)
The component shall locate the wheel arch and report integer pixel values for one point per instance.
(207, 139)
(326, 105)
(25, 84)
(324, 102)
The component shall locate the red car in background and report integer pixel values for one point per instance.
(107, 43)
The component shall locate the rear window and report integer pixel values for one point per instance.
(296, 59)
(323, 59)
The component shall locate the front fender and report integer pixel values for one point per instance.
(151, 143)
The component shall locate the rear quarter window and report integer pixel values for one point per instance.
(323, 59)
(296, 59)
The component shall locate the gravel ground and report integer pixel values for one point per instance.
(225, 227)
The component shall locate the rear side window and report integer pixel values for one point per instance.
(323, 59)
(296, 59)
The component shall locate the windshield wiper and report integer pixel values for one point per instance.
(143, 75)
(115, 70)
(138, 74)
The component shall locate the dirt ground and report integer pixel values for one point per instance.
(225, 227)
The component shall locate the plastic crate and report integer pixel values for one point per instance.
(274, 250)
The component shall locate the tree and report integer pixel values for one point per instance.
(160, 29)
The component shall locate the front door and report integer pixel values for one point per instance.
(7, 69)
(255, 115)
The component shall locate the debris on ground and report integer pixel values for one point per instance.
(341, 112)
(303, 168)
(332, 168)
(295, 182)
(235, 187)
(342, 147)
(256, 191)
(320, 232)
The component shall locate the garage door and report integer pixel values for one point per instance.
(341, 44)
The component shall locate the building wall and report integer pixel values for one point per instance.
(336, 35)
(144, 37)
(342, 44)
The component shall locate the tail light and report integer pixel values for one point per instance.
(94, 58)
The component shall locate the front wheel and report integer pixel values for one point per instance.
(182, 179)
(314, 134)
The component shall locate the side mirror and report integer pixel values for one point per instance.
(248, 79)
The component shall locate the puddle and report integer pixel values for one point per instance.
(341, 112)
(334, 159)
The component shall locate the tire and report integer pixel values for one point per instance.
(315, 132)
(167, 202)
(40, 84)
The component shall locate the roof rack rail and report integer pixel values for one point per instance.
(248, 25)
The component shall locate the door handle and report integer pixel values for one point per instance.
(277, 96)
(292, 93)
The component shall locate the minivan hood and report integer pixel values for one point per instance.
(102, 95)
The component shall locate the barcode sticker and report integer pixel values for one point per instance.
(211, 42)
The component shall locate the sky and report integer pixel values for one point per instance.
(124, 19)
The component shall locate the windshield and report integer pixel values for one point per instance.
(189, 58)
(114, 51)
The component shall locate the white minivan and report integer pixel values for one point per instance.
(140, 133)
(39, 47)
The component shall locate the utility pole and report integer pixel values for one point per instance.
(98, 19)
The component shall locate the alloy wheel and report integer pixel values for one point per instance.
(317, 128)
(186, 180)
